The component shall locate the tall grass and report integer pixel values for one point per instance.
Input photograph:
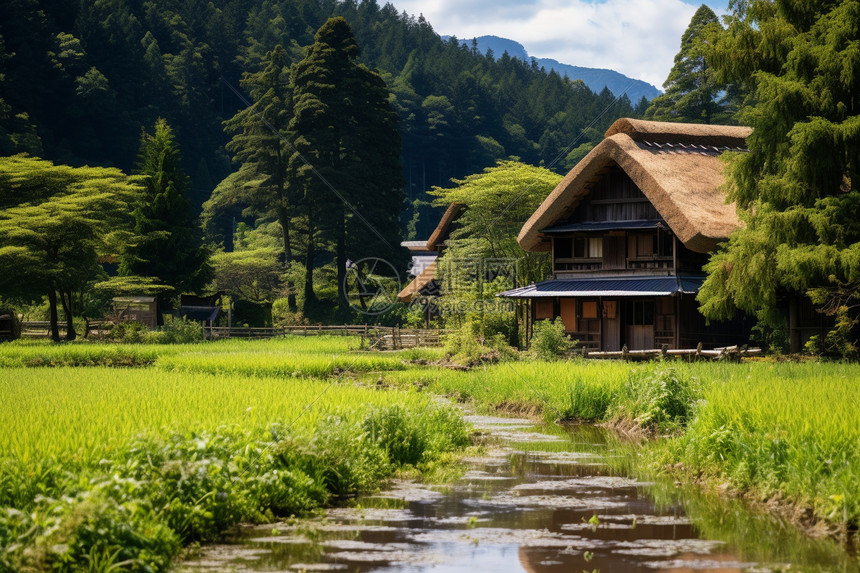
(787, 429)
(104, 467)
(561, 390)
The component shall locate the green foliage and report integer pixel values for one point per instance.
(658, 398)
(483, 257)
(345, 128)
(468, 347)
(56, 221)
(165, 247)
(549, 341)
(282, 316)
(177, 331)
(252, 275)
(796, 190)
(128, 332)
(693, 92)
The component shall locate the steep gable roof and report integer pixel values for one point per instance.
(676, 166)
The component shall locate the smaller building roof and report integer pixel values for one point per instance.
(415, 246)
(443, 229)
(609, 287)
(421, 281)
(209, 313)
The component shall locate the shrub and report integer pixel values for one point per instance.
(657, 398)
(468, 347)
(130, 332)
(180, 331)
(549, 341)
(283, 316)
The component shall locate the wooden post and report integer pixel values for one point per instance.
(625, 353)
(699, 349)
(664, 351)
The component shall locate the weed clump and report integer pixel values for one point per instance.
(549, 341)
(468, 347)
(657, 399)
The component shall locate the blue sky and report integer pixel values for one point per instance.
(638, 38)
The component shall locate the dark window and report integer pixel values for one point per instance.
(643, 312)
(665, 244)
(563, 248)
(580, 247)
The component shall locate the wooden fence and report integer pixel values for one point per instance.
(42, 328)
(375, 337)
(698, 353)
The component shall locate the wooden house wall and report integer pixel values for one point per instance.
(614, 197)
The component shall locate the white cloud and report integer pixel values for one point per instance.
(638, 38)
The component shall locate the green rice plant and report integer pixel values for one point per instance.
(279, 364)
(791, 429)
(84, 411)
(104, 468)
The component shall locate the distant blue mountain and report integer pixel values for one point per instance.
(595, 78)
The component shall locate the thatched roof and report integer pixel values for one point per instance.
(443, 229)
(676, 166)
(414, 288)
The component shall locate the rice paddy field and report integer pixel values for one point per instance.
(122, 454)
(113, 457)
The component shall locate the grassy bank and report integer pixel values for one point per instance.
(775, 431)
(119, 468)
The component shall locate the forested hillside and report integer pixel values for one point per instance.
(79, 80)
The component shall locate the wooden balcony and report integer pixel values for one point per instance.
(650, 263)
(578, 264)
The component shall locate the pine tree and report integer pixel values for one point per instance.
(166, 246)
(347, 150)
(259, 145)
(693, 93)
(797, 188)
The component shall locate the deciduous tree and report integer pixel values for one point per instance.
(55, 222)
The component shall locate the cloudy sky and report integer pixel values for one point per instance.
(638, 38)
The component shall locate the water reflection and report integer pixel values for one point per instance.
(543, 500)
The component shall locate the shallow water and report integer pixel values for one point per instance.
(542, 499)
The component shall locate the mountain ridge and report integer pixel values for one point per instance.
(595, 78)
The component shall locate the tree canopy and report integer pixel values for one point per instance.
(56, 221)
(693, 92)
(167, 246)
(797, 188)
(483, 257)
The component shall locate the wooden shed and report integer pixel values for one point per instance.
(143, 309)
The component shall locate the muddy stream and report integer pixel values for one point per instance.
(541, 499)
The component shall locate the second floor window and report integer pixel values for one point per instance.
(588, 248)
